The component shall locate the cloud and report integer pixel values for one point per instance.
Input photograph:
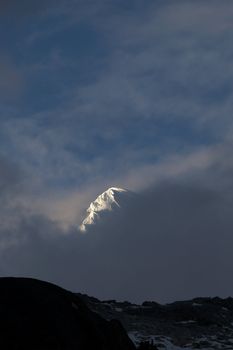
(9, 175)
(173, 242)
(163, 66)
(161, 85)
(12, 82)
(151, 111)
(24, 8)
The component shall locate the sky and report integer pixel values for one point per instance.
(132, 94)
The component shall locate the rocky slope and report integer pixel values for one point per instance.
(38, 315)
(201, 323)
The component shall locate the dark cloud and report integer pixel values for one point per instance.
(174, 241)
(173, 244)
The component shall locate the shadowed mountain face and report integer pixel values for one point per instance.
(39, 315)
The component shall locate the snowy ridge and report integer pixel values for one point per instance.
(106, 201)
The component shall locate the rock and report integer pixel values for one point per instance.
(200, 323)
(38, 315)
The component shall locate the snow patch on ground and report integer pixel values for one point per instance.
(165, 343)
(118, 309)
(162, 343)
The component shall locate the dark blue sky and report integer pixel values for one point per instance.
(111, 93)
(110, 80)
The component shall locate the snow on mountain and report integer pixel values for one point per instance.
(107, 201)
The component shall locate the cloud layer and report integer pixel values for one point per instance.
(136, 95)
(172, 242)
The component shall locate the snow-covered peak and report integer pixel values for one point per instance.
(106, 201)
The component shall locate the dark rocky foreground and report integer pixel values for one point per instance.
(201, 323)
(38, 315)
